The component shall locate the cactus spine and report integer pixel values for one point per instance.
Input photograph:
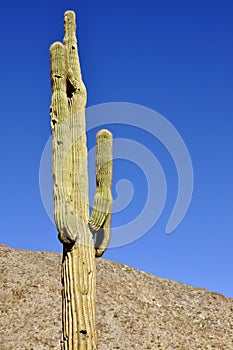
(76, 230)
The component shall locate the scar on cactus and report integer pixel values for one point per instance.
(83, 236)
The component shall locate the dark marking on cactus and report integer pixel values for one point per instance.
(84, 334)
(69, 89)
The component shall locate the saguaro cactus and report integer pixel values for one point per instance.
(83, 237)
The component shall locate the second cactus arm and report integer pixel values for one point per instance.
(100, 220)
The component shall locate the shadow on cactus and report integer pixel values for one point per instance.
(84, 237)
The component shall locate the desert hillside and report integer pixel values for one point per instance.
(135, 310)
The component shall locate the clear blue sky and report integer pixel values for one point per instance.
(175, 57)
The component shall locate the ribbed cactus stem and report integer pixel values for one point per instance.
(71, 207)
(101, 215)
(78, 314)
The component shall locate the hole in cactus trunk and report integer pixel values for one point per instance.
(69, 89)
(84, 334)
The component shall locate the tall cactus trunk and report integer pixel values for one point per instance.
(76, 230)
(78, 298)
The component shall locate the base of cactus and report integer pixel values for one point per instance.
(78, 298)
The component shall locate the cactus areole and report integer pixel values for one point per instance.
(83, 237)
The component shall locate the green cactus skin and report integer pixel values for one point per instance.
(76, 230)
(100, 220)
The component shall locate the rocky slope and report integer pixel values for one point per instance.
(135, 310)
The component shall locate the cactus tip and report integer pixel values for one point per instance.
(104, 133)
(57, 45)
(70, 15)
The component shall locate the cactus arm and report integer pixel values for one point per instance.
(77, 96)
(103, 237)
(76, 90)
(101, 214)
(58, 114)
